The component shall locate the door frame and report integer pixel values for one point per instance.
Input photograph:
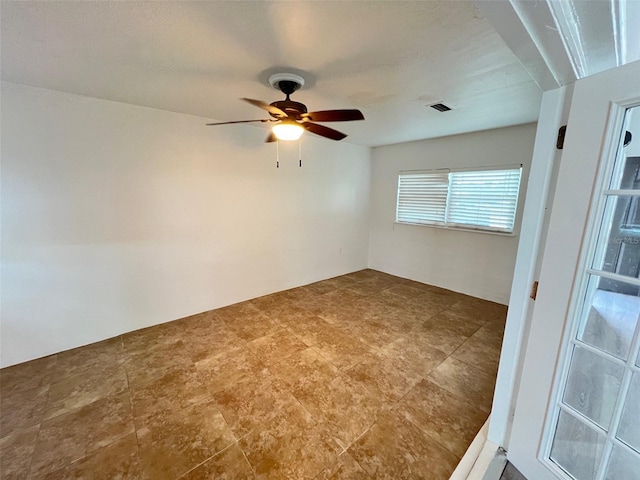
(554, 112)
(572, 216)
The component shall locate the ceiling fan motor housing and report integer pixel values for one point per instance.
(291, 108)
(288, 83)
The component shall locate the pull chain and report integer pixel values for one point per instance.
(277, 153)
(300, 151)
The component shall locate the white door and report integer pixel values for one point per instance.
(577, 414)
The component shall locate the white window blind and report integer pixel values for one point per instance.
(422, 197)
(481, 199)
(484, 198)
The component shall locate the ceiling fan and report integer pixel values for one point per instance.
(291, 118)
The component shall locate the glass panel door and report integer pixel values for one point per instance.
(595, 432)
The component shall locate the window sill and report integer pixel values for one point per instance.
(458, 229)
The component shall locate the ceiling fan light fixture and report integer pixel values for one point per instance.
(287, 130)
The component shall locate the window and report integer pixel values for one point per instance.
(484, 199)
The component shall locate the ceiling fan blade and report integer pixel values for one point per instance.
(323, 131)
(265, 106)
(240, 121)
(335, 116)
(271, 138)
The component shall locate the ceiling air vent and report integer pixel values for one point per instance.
(441, 107)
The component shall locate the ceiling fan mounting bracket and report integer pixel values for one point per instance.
(287, 83)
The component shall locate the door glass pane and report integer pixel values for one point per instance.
(577, 448)
(629, 428)
(623, 465)
(621, 252)
(627, 172)
(592, 387)
(610, 316)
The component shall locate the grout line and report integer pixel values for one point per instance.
(430, 435)
(253, 470)
(360, 436)
(207, 459)
(37, 442)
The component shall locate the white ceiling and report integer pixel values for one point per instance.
(388, 58)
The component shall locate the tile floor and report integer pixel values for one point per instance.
(360, 376)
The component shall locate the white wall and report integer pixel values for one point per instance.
(117, 217)
(477, 264)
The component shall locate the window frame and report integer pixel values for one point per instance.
(461, 226)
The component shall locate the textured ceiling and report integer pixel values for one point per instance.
(388, 58)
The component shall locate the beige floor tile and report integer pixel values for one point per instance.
(440, 298)
(403, 316)
(465, 381)
(393, 449)
(406, 291)
(413, 355)
(81, 389)
(434, 335)
(344, 298)
(172, 443)
(305, 326)
(22, 410)
(450, 420)
(389, 381)
(72, 436)
(311, 302)
(147, 339)
(118, 460)
(370, 323)
(205, 335)
(230, 464)
(237, 311)
(460, 324)
(344, 406)
(491, 333)
(275, 346)
(299, 295)
(228, 368)
(304, 370)
(272, 301)
(27, 376)
(288, 314)
(476, 352)
(398, 306)
(478, 309)
(252, 327)
(175, 391)
(80, 360)
(368, 288)
(330, 285)
(374, 333)
(143, 367)
(334, 344)
(292, 445)
(345, 468)
(421, 301)
(251, 402)
(16, 451)
(366, 274)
